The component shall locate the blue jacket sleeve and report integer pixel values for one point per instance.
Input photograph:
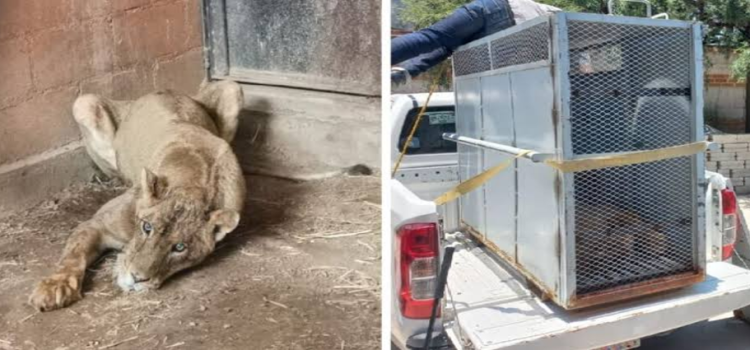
(412, 45)
(422, 63)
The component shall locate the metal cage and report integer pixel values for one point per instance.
(573, 85)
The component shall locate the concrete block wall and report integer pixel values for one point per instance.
(732, 160)
(53, 51)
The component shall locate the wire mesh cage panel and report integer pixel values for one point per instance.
(630, 86)
(527, 46)
(473, 60)
(633, 224)
(602, 85)
(631, 90)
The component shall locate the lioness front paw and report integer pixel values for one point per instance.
(55, 292)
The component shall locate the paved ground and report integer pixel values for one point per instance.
(720, 333)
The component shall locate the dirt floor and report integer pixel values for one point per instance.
(301, 272)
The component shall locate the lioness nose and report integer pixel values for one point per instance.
(139, 279)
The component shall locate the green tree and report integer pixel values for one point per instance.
(423, 13)
(591, 6)
(729, 27)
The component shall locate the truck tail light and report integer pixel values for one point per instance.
(418, 263)
(730, 223)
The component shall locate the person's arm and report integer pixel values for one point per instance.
(424, 62)
(411, 45)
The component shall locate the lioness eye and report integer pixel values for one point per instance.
(146, 228)
(179, 247)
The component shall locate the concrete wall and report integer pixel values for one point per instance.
(724, 98)
(732, 160)
(302, 131)
(53, 51)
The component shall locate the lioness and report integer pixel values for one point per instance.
(186, 194)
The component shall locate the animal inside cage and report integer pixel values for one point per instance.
(572, 86)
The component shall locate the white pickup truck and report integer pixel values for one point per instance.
(487, 305)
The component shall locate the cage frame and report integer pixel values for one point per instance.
(564, 291)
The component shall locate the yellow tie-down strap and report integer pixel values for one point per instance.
(476, 181)
(580, 164)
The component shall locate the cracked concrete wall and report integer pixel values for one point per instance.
(53, 51)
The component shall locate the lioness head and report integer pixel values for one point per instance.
(175, 229)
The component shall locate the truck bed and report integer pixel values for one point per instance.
(495, 310)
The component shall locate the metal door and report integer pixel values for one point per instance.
(313, 44)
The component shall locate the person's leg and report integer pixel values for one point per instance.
(497, 16)
(449, 33)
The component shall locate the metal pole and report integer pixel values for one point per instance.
(610, 6)
(535, 157)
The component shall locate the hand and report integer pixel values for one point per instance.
(55, 292)
(399, 76)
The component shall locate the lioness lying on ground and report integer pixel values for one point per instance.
(186, 194)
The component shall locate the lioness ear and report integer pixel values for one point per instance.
(224, 100)
(149, 185)
(224, 221)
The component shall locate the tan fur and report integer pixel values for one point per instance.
(185, 182)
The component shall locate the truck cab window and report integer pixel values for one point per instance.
(428, 139)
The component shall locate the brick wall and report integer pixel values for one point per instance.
(732, 160)
(53, 51)
(723, 80)
(724, 97)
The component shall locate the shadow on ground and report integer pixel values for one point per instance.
(721, 333)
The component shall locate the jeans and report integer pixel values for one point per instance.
(432, 45)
